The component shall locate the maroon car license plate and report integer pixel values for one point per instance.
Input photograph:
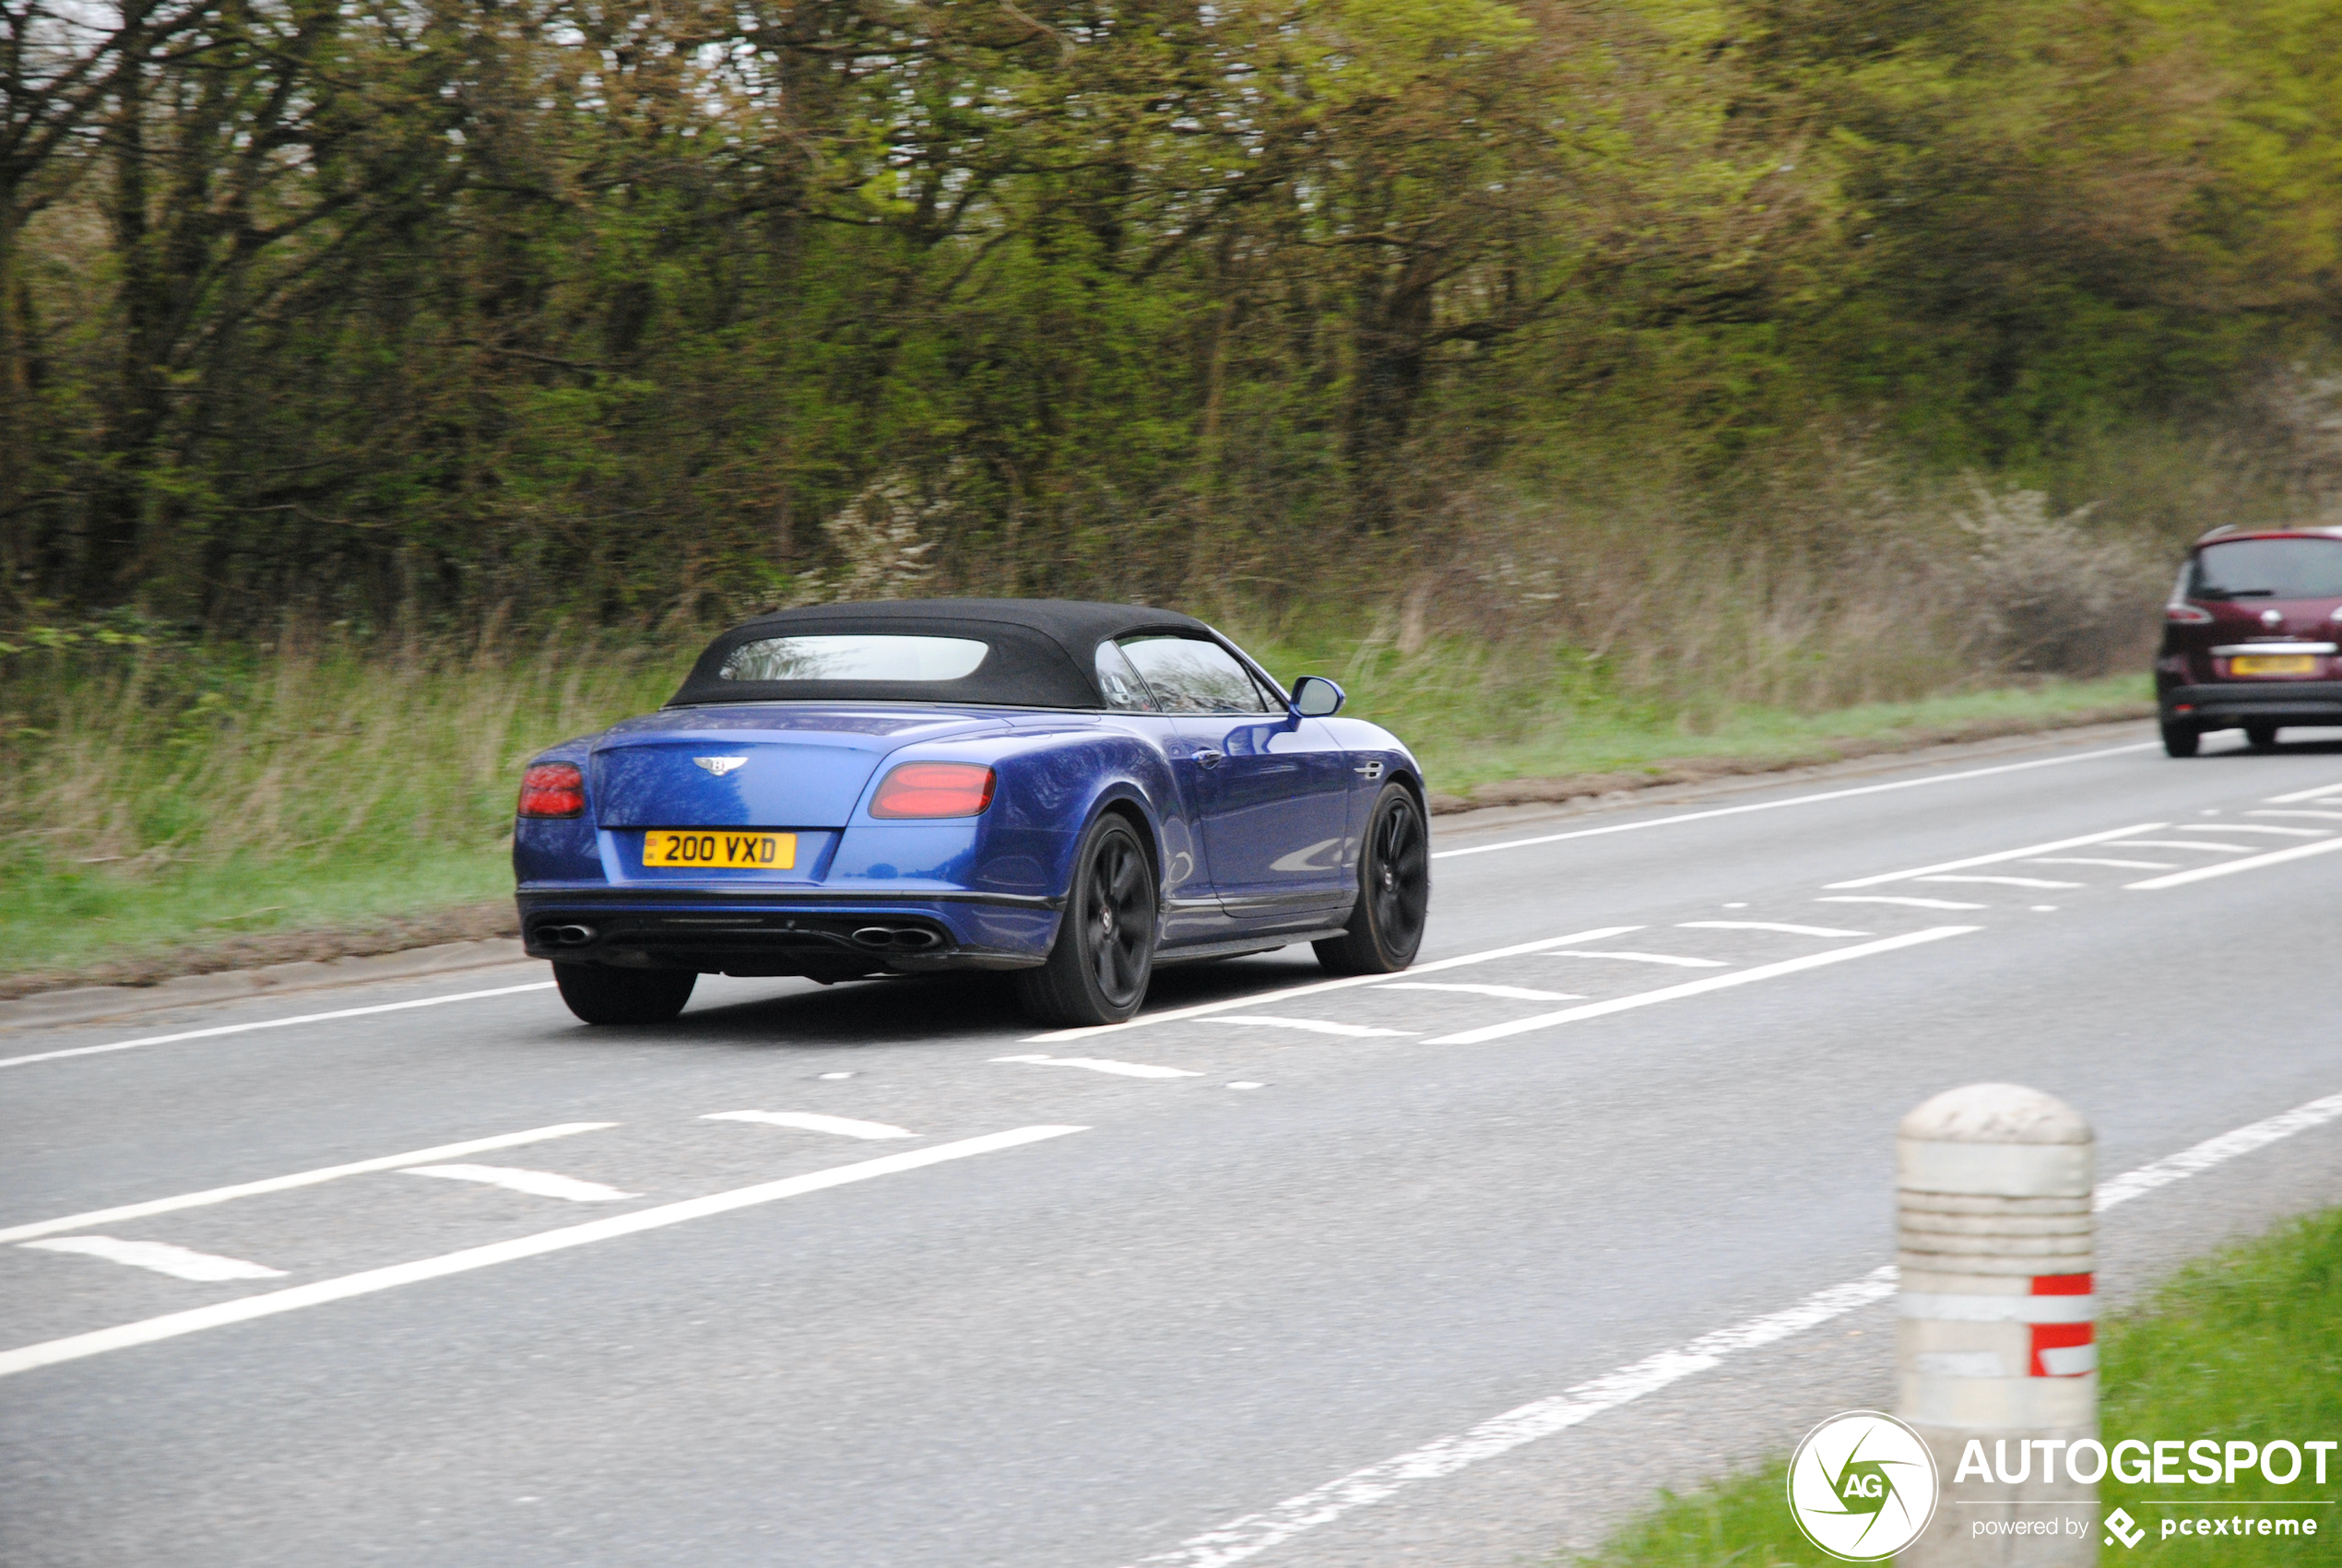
(2274, 664)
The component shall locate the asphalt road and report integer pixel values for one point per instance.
(1072, 1317)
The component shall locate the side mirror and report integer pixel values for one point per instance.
(1315, 697)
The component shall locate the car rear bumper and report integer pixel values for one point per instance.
(2257, 701)
(826, 935)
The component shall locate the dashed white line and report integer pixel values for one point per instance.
(180, 1263)
(1700, 987)
(2005, 881)
(2097, 860)
(809, 1120)
(1766, 925)
(1906, 902)
(1794, 800)
(2204, 844)
(298, 1179)
(1311, 1026)
(1668, 959)
(1513, 993)
(1101, 1065)
(1994, 858)
(1249, 1536)
(272, 1024)
(271, 1302)
(1317, 987)
(536, 1184)
(2230, 868)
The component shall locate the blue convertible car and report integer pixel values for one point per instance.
(1074, 793)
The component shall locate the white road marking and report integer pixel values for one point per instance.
(162, 1257)
(1101, 1065)
(271, 1302)
(1700, 987)
(2254, 828)
(1514, 993)
(1253, 1534)
(1906, 902)
(2228, 868)
(1794, 800)
(1247, 1086)
(536, 1184)
(273, 1023)
(2206, 846)
(1317, 988)
(2321, 815)
(2202, 1157)
(1311, 1026)
(2118, 865)
(2005, 881)
(1994, 858)
(298, 1179)
(1766, 925)
(808, 1121)
(1642, 958)
(2322, 790)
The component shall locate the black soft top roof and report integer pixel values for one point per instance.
(1044, 650)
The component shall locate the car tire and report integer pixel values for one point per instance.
(2180, 741)
(1103, 957)
(1394, 890)
(598, 993)
(2261, 738)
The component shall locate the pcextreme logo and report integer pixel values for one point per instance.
(1862, 1486)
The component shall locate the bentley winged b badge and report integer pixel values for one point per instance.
(719, 766)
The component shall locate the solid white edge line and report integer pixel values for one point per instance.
(298, 1179)
(1794, 800)
(272, 1302)
(1255, 1533)
(1205, 1008)
(273, 1023)
(1698, 987)
(2276, 857)
(1995, 859)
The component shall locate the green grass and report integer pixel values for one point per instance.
(161, 795)
(2246, 1344)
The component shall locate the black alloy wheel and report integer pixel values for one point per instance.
(600, 994)
(2180, 741)
(2261, 738)
(1098, 970)
(1394, 891)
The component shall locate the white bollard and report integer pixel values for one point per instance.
(1994, 1349)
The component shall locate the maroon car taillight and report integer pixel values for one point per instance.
(2187, 615)
(934, 789)
(552, 789)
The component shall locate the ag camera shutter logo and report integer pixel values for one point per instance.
(1862, 1486)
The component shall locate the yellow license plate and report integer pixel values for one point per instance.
(2274, 664)
(728, 852)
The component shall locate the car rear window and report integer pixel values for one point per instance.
(855, 656)
(2267, 569)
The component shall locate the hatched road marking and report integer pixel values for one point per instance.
(1642, 958)
(2202, 873)
(536, 1184)
(1101, 1065)
(1994, 858)
(809, 1120)
(1765, 926)
(1312, 1026)
(1511, 993)
(180, 1263)
(1906, 902)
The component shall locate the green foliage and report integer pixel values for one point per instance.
(602, 312)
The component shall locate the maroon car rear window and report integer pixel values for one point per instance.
(2269, 569)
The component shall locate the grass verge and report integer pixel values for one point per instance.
(2246, 1343)
(181, 807)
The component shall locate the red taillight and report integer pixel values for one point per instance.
(934, 789)
(2187, 615)
(552, 789)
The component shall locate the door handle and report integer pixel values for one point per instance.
(1208, 758)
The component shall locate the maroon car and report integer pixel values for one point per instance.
(2250, 636)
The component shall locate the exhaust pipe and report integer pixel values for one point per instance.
(909, 939)
(566, 935)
